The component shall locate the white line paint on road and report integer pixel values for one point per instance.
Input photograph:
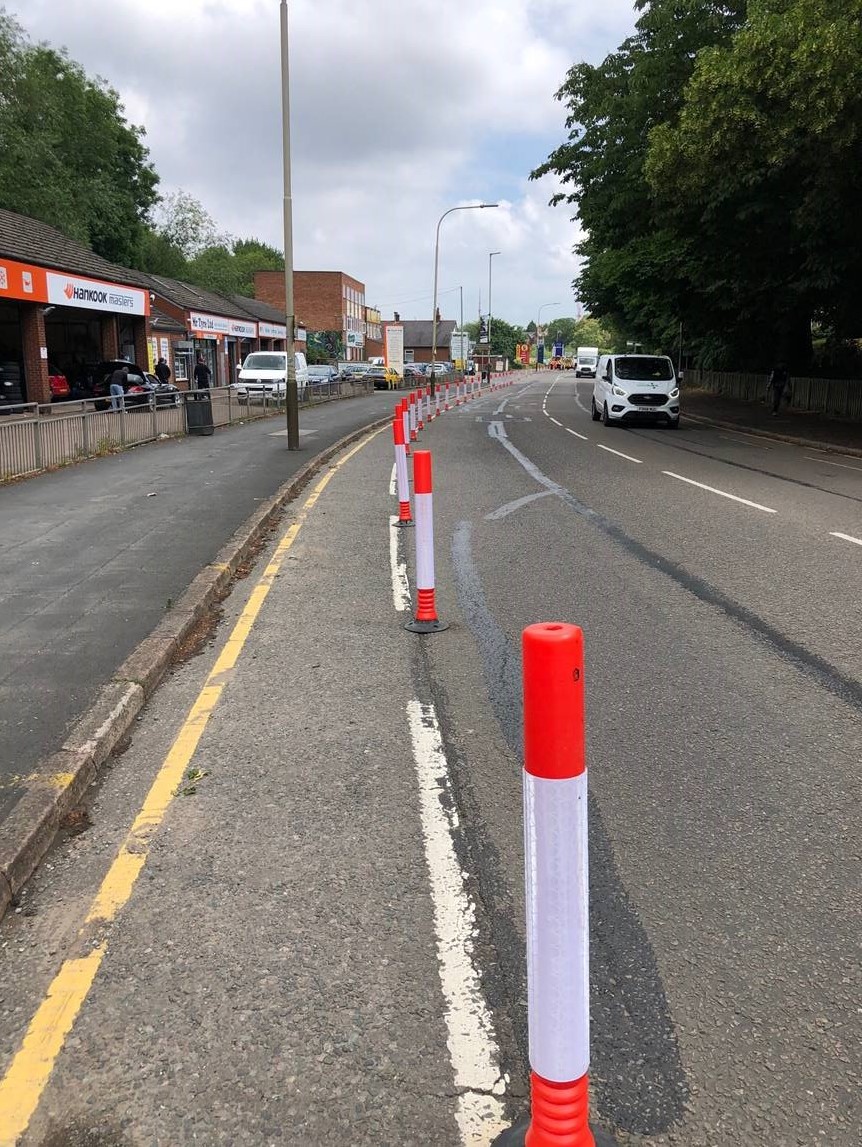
(555, 421)
(847, 538)
(826, 462)
(511, 507)
(583, 437)
(721, 493)
(398, 568)
(392, 481)
(473, 1049)
(620, 454)
(585, 409)
(741, 434)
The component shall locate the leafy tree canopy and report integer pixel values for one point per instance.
(67, 154)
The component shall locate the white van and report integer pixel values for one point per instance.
(264, 372)
(636, 388)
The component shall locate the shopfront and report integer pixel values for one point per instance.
(52, 317)
(220, 340)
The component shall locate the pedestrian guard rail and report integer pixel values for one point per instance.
(832, 397)
(36, 437)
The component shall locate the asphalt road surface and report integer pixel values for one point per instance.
(92, 555)
(325, 941)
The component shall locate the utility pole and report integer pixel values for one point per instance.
(292, 396)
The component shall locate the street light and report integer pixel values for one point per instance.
(539, 327)
(464, 207)
(292, 395)
(491, 255)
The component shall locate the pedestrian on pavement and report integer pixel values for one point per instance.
(162, 371)
(779, 381)
(203, 374)
(118, 387)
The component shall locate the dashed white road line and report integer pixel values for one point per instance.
(555, 422)
(583, 437)
(479, 1081)
(826, 462)
(620, 454)
(846, 538)
(721, 493)
(398, 568)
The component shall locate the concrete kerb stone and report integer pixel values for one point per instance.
(59, 781)
(808, 443)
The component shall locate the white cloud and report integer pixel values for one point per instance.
(400, 109)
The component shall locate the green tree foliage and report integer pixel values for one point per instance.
(504, 338)
(763, 168)
(67, 154)
(230, 269)
(185, 223)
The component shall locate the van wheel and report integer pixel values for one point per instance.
(673, 424)
(606, 418)
(594, 414)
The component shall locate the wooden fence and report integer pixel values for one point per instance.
(832, 397)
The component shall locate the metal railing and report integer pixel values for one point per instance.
(832, 397)
(36, 437)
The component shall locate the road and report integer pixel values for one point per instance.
(274, 974)
(93, 554)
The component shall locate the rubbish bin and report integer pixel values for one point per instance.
(199, 413)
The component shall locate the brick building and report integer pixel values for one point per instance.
(418, 336)
(323, 301)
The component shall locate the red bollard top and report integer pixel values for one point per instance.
(421, 471)
(398, 426)
(553, 669)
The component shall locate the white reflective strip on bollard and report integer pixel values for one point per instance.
(555, 848)
(401, 474)
(423, 515)
(412, 409)
(436, 401)
(405, 416)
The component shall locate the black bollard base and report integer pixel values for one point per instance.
(427, 626)
(514, 1136)
(404, 525)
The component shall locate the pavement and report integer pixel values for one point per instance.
(312, 925)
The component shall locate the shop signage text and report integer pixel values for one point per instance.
(271, 331)
(38, 285)
(219, 325)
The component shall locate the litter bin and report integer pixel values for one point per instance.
(199, 413)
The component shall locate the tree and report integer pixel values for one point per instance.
(67, 154)
(158, 256)
(185, 223)
(504, 338)
(230, 269)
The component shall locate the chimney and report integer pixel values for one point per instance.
(397, 317)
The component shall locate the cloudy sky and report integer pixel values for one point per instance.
(400, 109)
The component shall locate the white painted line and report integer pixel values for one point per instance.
(847, 538)
(470, 1037)
(826, 462)
(392, 481)
(733, 436)
(758, 438)
(398, 569)
(620, 454)
(721, 493)
(583, 437)
(555, 421)
(473, 1050)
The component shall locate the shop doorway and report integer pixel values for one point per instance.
(12, 383)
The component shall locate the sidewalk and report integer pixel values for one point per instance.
(789, 425)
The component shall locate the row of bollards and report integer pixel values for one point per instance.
(555, 816)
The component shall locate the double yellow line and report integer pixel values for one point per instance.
(22, 1086)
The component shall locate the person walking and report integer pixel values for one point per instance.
(162, 371)
(203, 374)
(779, 381)
(118, 387)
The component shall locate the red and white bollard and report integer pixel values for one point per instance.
(420, 404)
(405, 417)
(555, 851)
(446, 404)
(426, 619)
(428, 413)
(413, 430)
(401, 480)
(436, 401)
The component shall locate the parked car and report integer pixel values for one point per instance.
(414, 370)
(436, 368)
(140, 386)
(636, 388)
(352, 370)
(264, 373)
(59, 384)
(383, 377)
(324, 379)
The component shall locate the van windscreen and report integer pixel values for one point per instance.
(265, 362)
(643, 368)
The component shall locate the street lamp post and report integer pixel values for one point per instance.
(539, 327)
(464, 207)
(491, 255)
(292, 395)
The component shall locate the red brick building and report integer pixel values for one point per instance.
(323, 301)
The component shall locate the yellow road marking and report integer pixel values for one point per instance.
(28, 1074)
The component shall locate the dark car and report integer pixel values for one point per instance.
(414, 370)
(323, 379)
(140, 386)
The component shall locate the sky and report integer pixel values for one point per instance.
(400, 109)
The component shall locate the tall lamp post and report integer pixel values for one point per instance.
(539, 327)
(491, 255)
(292, 396)
(464, 207)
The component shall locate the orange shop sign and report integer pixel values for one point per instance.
(40, 285)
